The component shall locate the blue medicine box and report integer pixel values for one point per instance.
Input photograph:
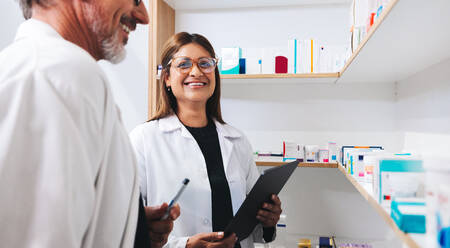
(409, 215)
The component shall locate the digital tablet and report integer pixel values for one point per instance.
(270, 182)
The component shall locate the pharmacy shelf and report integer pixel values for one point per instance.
(232, 4)
(409, 36)
(310, 165)
(281, 78)
(412, 241)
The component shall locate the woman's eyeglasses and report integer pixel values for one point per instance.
(185, 64)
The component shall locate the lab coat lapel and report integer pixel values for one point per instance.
(171, 123)
(226, 136)
(226, 146)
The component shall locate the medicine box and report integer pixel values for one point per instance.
(293, 151)
(409, 214)
(398, 177)
(230, 66)
(230, 60)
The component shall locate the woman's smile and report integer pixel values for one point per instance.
(195, 84)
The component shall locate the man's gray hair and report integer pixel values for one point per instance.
(26, 6)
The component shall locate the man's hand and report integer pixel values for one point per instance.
(160, 229)
(211, 240)
(269, 214)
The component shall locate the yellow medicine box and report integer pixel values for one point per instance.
(304, 243)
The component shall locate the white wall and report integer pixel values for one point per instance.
(11, 17)
(350, 114)
(267, 26)
(129, 79)
(423, 110)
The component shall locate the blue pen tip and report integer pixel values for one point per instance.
(186, 181)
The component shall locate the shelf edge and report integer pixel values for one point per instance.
(308, 165)
(265, 76)
(379, 209)
(372, 30)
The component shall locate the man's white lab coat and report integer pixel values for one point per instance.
(68, 176)
(167, 153)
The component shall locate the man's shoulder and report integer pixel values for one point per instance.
(55, 58)
(65, 58)
(70, 72)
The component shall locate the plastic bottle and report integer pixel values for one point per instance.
(373, 7)
(332, 149)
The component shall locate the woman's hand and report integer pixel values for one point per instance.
(269, 214)
(160, 229)
(211, 240)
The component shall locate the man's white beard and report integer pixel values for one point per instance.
(113, 49)
(112, 46)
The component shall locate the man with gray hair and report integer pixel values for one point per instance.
(68, 175)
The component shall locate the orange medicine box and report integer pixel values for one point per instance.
(304, 243)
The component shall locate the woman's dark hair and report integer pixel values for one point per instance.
(167, 103)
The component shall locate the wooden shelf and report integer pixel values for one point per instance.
(409, 36)
(411, 240)
(407, 239)
(310, 165)
(283, 75)
(281, 78)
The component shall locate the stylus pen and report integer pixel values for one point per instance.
(175, 199)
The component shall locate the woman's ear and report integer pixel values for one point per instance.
(167, 79)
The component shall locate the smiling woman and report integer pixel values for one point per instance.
(182, 45)
(187, 138)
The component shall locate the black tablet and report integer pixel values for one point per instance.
(270, 182)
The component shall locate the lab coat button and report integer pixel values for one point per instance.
(205, 221)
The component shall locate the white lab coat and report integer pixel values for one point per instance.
(68, 175)
(167, 153)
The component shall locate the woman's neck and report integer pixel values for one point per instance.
(192, 116)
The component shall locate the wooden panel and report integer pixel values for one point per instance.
(312, 165)
(162, 26)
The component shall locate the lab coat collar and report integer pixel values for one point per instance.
(34, 27)
(172, 123)
(226, 130)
